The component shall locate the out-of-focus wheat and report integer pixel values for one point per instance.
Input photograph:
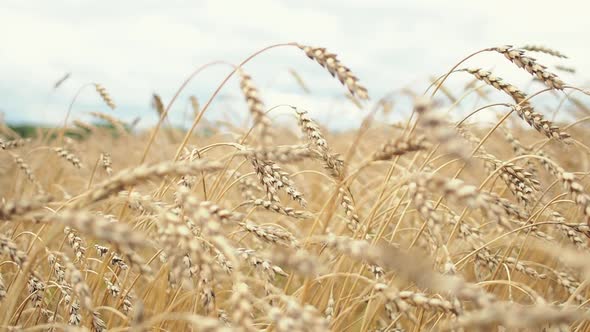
(438, 222)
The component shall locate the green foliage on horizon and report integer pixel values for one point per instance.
(32, 130)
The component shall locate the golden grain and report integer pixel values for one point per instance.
(438, 222)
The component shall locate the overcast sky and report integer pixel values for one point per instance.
(134, 48)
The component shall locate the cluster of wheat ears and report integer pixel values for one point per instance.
(423, 225)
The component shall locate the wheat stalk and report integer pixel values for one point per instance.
(543, 49)
(530, 65)
(333, 65)
(104, 95)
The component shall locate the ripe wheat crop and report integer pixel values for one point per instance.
(432, 223)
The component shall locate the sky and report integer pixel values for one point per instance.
(135, 48)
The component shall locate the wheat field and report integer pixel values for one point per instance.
(430, 223)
